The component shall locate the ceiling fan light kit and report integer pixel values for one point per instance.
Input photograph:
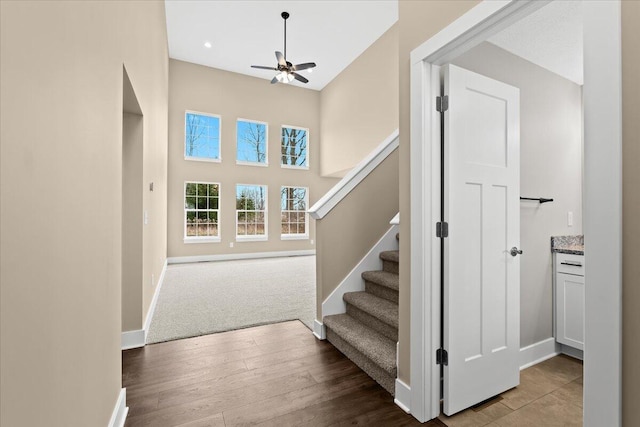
(286, 70)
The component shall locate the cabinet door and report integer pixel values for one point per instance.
(570, 310)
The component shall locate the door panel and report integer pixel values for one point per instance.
(482, 280)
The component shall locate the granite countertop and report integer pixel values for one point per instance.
(568, 244)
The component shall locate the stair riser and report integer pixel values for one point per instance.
(391, 267)
(386, 380)
(381, 291)
(373, 322)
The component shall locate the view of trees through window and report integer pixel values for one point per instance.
(202, 136)
(294, 211)
(251, 208)
(251, 142)
(294, 147)
(202, 207)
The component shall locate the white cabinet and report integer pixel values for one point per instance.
(569, 299)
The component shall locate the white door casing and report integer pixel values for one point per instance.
(482, 278)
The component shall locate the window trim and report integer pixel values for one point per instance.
(254, 237)
(266, 144)
(202, 159)
(306, 167)
(201, 239)
(296, 236)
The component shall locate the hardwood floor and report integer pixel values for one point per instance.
(273, 375)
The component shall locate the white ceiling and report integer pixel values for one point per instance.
(243, 33)
(550, 37)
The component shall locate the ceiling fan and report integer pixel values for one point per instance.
(286, 70)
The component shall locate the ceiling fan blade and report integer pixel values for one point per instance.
(300, 78)
(281, 60)
(304, 66)
(274, 80)
(264, 68)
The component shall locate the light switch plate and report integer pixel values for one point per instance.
(570, 219)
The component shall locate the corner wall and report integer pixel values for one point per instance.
(61, 107)
(359, 107)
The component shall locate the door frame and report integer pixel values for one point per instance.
(602, 94)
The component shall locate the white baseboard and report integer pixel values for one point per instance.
(538, 352)
(403, 396)
(334, 304)
(570, 351)
(319, 331)
(154, 300)
(232, 257)
(120, 411)
(133, 339)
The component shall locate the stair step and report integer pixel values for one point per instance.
(372, 352)
(390, 261)
(383, 278)
(380, 308)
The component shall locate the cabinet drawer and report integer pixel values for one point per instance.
(570, 264)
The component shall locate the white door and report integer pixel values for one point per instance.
(481, 316)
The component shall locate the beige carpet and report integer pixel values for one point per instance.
(202, 298)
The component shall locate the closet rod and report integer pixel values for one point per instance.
(539, 199)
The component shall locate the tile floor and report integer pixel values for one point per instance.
(549, 395)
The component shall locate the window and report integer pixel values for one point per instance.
(202, 137)
(251, 212)
(201, 212)
(251, 142)
(294, 218)
(293, 147)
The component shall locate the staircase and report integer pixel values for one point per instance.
(368, 332)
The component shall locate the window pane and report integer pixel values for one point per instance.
(190, 203)
(251, 142)
(213, 203)
(213, 189)
(190, 189)
(202, 189)
(202, 136)
(294, 147)
(202, 203)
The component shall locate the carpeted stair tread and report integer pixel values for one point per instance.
(393, 256)
(383, 278)
(385, 310)
(376, 347)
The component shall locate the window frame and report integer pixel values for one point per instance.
(266, 144)
(203, 159)
(296, 236)
(201, 239)
(254, 237)
(306, 167)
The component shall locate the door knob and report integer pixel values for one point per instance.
(515, 251)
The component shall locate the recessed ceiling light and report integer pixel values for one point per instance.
(207, 45)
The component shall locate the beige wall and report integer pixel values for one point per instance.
(232, 96)
(349, 231)
(359, 108)
(60, 190)
(631, 213)
(550, 166)
(418, 21)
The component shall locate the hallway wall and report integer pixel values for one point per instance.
(61, 77)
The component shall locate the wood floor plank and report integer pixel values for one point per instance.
(269, 374)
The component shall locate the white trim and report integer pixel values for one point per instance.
(319, 330)
(201, 239)
(307, 160)
(231, 257)
(294, 237)
(266, 144)
(403, 396)
(603, 141)
(538, 352)
(120, 411)
(354, 177)
(252, 237)
(197, 239)
(395, 220)
(184, 136)
(571, 351)
(132, 339)
(334, 304)
(154, 300)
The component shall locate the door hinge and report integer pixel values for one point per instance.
(442, 357)
(442, 229)
(442, 103)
